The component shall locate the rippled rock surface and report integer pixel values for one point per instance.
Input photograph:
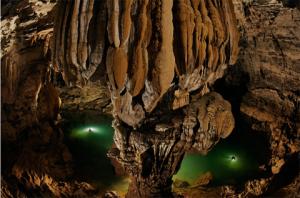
(163, 70)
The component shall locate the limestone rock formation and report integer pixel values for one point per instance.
(278, 63)
(35, 161)
(143, 56)
(161, 60)
(155, 54)
(153, 153)
(25, 64)
(214, 116)
(203, 180)
(269, 63)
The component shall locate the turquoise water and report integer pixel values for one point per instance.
(89, 135)
(231, 161)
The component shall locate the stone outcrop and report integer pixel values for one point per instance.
(274, 83)
(94, 96)
(25, 66)
(156, 53)
(35, 161)
(143, 56)
(161, 60)
(153, 153)
(268, 68)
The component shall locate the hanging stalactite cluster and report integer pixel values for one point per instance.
(147, 47)
(79, 39)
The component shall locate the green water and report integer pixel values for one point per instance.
(89, 136)
(231, 161)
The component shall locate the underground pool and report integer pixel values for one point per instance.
(240, 157)
(89, 135)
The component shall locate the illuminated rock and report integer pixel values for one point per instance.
(203, 180)
(162, 57)
(213, 116)
(233, 158)
(129, 35)
(145, 56)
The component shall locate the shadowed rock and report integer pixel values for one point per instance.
(161, 58)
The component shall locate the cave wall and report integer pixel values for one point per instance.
(265, 83)
(35, 161)
(26, 30)
(268, 60)
(270, 56)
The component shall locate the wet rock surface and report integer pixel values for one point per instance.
(267, 77)
(36, 162)
(155, 57)
(141, 57)
(161, 83)
(95, 96)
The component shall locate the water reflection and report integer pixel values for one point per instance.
(232, 161)
(89, 135)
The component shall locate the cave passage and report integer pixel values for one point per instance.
(89, 135)
(234, 160)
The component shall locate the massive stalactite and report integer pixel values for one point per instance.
(144, 43)
(161, 59)
(263, 88)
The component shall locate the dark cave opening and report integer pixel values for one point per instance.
(287, 175)
(233, 86)
(291, 3)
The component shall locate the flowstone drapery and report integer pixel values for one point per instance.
(161, 59)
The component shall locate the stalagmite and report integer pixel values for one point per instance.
(155, 66)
